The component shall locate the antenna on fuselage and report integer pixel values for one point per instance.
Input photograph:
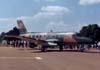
(51, 31)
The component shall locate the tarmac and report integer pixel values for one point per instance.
(32, 59)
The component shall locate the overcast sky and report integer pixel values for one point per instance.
(46, 15)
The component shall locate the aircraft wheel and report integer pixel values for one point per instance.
(82, 49)
(61, 48)
(43, 48)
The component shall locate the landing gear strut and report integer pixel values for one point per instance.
(60, 48)
(82, 48)
(43, 48)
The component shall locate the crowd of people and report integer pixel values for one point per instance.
(18, 43)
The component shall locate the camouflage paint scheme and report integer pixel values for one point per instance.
(68, 38)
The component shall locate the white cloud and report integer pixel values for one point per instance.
(55, 9)
(8, 23)
(52, 17)
(88, 2)
(5, 19)
(56, 26)
(61, 26)
(23, 18)
(52, 12)
(49, 16)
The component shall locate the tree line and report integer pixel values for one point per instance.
(14, 32)
(91, 31)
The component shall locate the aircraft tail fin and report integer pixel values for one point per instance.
(21, 26)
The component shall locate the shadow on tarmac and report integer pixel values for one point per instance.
(95, 52)
(37, 50)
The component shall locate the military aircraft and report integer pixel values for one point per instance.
(61, 39)
(47, 39)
